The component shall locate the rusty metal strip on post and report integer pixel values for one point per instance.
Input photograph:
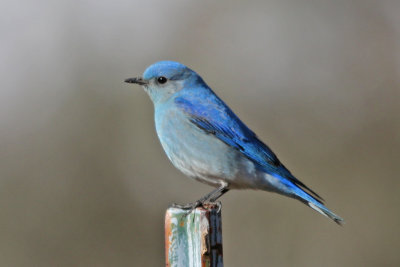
(194, 239)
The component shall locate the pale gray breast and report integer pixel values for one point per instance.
(191, 150)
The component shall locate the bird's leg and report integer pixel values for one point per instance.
(212, 196)
(221, 190)
(198, 203)
(215, 194)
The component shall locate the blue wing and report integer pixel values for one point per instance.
(212, 115)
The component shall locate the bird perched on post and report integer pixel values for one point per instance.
(204, 139)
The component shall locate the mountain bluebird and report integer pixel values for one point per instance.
(204, 139)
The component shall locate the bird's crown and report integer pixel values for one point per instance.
(170, 69)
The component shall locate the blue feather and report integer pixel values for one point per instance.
(209, 113)
(204, 139)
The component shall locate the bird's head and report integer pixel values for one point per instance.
(162, 79)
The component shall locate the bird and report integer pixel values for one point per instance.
(206, 141)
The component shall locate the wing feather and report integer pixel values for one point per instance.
(210, 114)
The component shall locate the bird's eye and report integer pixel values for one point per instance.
(161, 80)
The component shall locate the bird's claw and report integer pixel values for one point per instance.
(192, 206)
(219, 205)
(188, 207)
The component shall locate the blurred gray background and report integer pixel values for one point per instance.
(84, 180)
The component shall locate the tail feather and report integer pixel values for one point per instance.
(326, 212)
(287, 187)
(317, 205)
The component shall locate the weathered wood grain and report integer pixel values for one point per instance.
(194, 239)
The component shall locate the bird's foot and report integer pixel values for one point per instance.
(192, 206)
(213, 203)
(188, 207)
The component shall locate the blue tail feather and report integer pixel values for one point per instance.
(298, 193)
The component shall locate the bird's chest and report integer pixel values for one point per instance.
(189, 148)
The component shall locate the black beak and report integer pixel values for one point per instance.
(137, 80)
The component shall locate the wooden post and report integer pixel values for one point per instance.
(194, 239)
